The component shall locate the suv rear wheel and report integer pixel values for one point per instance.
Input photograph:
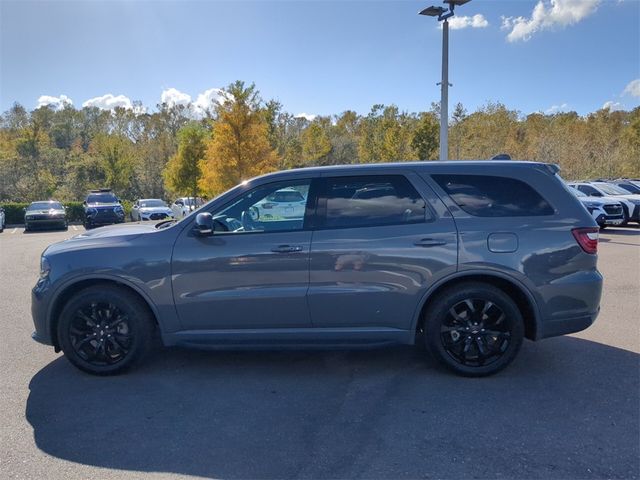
(105, 330)
(474, 329)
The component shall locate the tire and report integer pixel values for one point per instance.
(96, 345)
(471, 343)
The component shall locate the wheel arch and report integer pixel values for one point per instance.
(516, 290)
(73, 287)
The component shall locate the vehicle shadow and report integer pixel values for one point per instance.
(567, 408)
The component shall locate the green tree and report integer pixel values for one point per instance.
(426, 137)
(315, 144)
(183, 173)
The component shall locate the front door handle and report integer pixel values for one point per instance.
(287, 248)
(429, 242)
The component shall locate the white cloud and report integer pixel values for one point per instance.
(207, 100)
(173, 97)
(548, 15)
(109, 102)
(57, 103)
(557, 109)
(306, 116)
(612, 106)
(476, 21)
(633, 88)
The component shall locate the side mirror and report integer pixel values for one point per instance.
(84, 203)
(204, 224)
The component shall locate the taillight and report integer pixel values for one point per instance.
(587, 238)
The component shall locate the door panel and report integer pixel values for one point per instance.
(376, 276)
(242, 281)
(253, 272)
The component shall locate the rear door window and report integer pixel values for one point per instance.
(370, 200)
(491, 196)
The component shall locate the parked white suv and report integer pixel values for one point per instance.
(286, 203)
(183, 206)
(630, 202)
(604, 210)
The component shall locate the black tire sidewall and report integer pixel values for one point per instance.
(438, 310)
(139, 321)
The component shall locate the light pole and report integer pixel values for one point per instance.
(443, 15)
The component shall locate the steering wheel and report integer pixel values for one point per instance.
(247, 221)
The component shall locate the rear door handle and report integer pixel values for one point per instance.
(429, 242)
(287, 248)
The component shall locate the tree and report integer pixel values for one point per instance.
(315, 144)
(426, 137)
(183, 171)
(115, 154)
(240, 146)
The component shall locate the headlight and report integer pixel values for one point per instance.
(591, 205)
(45, 267)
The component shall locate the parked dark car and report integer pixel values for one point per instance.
(102, 207)
(47, 214)
(465, 258)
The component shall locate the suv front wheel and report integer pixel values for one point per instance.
(474, 329)
(105, 329)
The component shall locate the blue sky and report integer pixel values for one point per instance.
(322, 57)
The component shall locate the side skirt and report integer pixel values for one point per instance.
(294, 338)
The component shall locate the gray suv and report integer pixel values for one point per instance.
(464, 258)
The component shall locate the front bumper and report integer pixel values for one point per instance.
(39, 304)
(46, 222)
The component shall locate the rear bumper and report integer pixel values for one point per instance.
(564, 326)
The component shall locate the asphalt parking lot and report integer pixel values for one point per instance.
(568, 407)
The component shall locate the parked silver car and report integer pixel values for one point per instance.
(465, 258)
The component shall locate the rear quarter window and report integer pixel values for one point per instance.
(492, 196)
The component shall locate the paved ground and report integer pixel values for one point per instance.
(568, 408)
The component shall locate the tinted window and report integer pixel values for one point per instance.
(487, 196)
(629, 187)
(44, 206)
(371, 201)
(588, 190)
(152, 203)
(102, 198)
(286, 196)
(258, 211)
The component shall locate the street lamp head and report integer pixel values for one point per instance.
(433, 11)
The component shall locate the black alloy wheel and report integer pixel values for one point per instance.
(100, 333)
(105, 329)
(475, 329)
(475, 332)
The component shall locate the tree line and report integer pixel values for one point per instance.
(48, 153)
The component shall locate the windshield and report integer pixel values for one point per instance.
(152, 203)
(102, 198)
(577, 192)
(629, 187)
(45, 206)
(611, 189)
